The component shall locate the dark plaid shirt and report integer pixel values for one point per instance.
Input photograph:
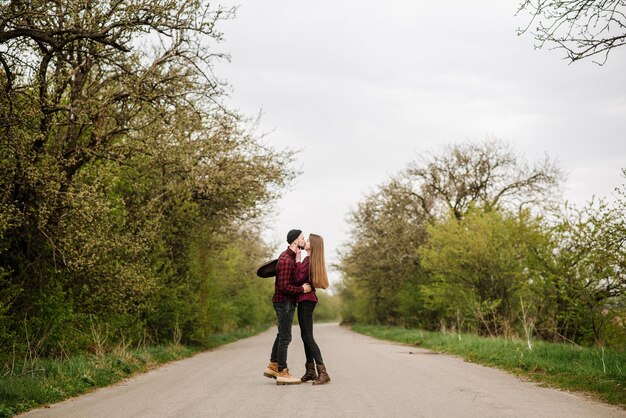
(302, 277)
(286, 277)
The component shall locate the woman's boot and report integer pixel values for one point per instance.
(310, 372)
(322, 376)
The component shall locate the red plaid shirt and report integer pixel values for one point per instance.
(302, 277)
(286, 277)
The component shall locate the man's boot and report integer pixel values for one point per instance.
(271, 371)
(310, 372)
(322, 376)
(284, 378)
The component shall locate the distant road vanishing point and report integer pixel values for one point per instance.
(370, 378)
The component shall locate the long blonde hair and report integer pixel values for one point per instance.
(317, 265)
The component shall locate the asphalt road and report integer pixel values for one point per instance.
(370, 378)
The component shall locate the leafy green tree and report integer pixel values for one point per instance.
(381, 263)
(483, 265)
(118, 162)
(388, 226)
(590, 263)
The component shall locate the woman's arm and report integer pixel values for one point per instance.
(302, 272)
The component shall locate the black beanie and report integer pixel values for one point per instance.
(293, 235)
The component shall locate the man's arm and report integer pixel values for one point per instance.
(286, 271)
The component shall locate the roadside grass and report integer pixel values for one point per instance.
(47, 381)
(594, 371)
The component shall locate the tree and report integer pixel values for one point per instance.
(590, 270)
(382, 263)
(387, 227)
(481, 265)
(78, 91)
(488, 174)
(116, 153)
(584, 29)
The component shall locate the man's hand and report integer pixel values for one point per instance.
(306, 287)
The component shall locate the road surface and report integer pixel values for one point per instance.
(370, 378)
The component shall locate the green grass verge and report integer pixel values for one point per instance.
(48, 381)
(582, 369)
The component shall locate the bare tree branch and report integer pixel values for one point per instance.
(583, 28)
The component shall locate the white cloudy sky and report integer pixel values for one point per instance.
(362, 88)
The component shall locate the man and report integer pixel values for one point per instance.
(284, 305)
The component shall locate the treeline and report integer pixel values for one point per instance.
(475, 239)
(127, 190)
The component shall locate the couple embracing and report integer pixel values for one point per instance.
(296, 281)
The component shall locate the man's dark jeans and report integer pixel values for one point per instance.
(284, 314)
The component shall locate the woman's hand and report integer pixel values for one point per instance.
(298, 255)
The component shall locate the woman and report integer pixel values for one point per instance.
(311, 270)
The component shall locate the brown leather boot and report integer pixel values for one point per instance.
(322, 376)
(310, 372)
(271, 371)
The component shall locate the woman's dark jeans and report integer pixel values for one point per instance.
(305, 318)
(284, 315)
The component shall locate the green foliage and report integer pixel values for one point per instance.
(127, 189)
(52, 380)
(456, 242)
(591, 370)
(388, 227)
(589, 262)
(482, 265)
(328, 307)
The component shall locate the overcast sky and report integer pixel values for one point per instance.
(362, 88)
